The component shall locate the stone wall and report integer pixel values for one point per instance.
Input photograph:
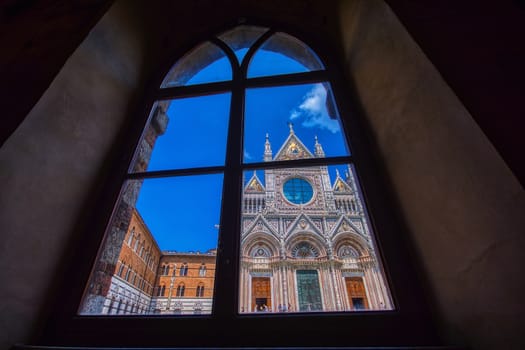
(463, 206)
(50, 166)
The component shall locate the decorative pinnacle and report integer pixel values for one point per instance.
(290, 125)
(267, 149)
(337, 172)
(318, 148)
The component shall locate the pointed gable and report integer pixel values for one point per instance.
(260, 225)
(302, 223)
(293, 148)
(341, 186)
(345, 225)
(254, 185)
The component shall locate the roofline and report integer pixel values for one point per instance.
(147, 228)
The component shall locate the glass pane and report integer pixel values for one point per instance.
(159, 253)
(207, 63)
(298, 121)
(307, 245)
(241, 38)
(283, 54)
(185, 133)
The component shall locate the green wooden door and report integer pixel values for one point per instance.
(309, 291)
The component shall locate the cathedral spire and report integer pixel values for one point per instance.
(267, 149)
(319, 152)
(290, 125)
(349, 177)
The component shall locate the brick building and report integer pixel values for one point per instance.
(185, 283)
(133, 281)
(147, 280)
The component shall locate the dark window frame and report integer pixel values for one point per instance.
(409, 324)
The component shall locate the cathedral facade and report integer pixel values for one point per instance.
(306, 244)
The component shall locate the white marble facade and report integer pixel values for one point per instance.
(301, 249)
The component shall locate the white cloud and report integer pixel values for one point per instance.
(313, 111)
(294, 115)
(247, 155)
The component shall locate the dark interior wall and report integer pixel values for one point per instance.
(477, 47)
(37, 38)
(462, 204)
(463, 214)
(51, 164)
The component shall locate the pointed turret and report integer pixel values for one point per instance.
(319, 152)
(267, 149)
(350, 180)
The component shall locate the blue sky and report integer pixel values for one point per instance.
(183, 212)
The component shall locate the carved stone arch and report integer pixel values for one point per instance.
(260, 239)
(308, 237)
(353, 240)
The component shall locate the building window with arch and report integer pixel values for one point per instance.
(121, 268)
(161, 291)
(200, 290)
(137, 241)
(274, 135)
(183, 270)
(202, 270)
(130, 237)
(180, 290)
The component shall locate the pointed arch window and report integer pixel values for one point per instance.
(246, 141)
(251, 100)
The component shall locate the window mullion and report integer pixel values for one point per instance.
(175, 172)
(193, 90)
(225, 295)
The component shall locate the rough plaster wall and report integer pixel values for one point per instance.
(463, 206)
(50, 163)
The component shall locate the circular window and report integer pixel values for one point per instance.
(298, 191)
